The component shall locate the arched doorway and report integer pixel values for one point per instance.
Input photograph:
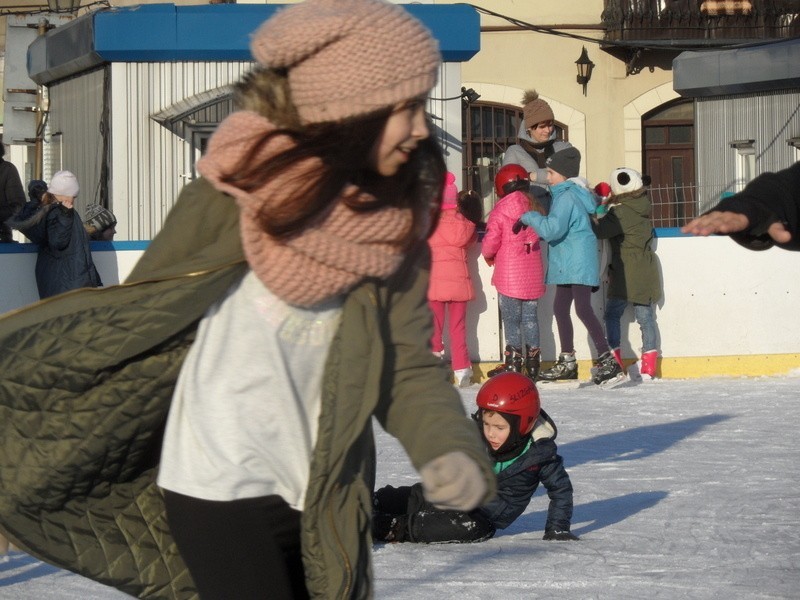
(668, 157)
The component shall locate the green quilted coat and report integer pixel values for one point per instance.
(87, 379)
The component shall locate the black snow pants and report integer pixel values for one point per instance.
(417, 520)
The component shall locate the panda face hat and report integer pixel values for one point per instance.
(624, 181)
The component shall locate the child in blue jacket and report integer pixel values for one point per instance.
(573, 266)
(520, 437)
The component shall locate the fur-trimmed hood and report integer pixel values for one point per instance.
(637, 200)
(29, 216)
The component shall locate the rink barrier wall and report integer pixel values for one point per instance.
(725, 311)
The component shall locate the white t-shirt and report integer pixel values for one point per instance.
(243, 419)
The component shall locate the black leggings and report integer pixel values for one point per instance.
(582, 295)
(244, 549)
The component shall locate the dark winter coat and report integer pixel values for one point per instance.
(770, 197)
(416, 520)
(64, 261)
(633, 270)
(517, 483)
(87, 382)
(12, 197)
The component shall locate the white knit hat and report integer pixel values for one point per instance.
(624, 180)
(64, 183)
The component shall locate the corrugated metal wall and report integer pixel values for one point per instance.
(150, 163)
(769, 118)
(74, 133)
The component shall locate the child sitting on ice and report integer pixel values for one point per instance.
(520, 437)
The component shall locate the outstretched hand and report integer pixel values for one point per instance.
(727, 222)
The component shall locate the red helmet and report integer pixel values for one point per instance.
(512, 394)
(509, 174)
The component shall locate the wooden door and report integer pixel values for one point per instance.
(668, 142)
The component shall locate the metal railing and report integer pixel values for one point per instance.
(674, 206)
(701, 19)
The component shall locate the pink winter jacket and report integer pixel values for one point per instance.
(518, 271)
(450, 280)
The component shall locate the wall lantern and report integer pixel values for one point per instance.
(585, 66)
(467, 97)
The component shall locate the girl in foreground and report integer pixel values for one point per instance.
(267, 458)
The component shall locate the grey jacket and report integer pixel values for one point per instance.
(517, 155)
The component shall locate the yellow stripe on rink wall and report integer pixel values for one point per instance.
(690, 367)
(752, 365)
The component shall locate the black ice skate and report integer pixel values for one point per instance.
(512, 362)
(607, 373)
(562, 374)
(532, 362)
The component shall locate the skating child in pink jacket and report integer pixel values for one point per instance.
(518, 271)
(450, 286)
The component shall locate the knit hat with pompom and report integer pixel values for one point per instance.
(535, 110)
(624, 180)
(348, 57)
(603, 191)
(450, 195)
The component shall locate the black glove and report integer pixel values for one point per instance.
(559, 536)
(518, 226)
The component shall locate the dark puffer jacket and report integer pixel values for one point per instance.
(769, 198)
(517, 483)
(12, 196)
(65, 260)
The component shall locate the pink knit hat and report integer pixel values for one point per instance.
(450, 195)
(348, 57)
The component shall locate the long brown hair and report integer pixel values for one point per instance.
(345, 149)
(48, 198)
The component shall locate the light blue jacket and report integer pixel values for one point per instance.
(573, 256)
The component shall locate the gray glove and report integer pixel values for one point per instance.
(453, 481)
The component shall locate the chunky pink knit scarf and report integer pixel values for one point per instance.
(326, 259)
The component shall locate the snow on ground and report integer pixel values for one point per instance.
(684, 489)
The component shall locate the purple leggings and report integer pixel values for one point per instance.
(582, 295)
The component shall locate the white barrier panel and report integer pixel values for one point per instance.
(719, 299)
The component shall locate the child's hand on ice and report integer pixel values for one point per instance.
(559, 536)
